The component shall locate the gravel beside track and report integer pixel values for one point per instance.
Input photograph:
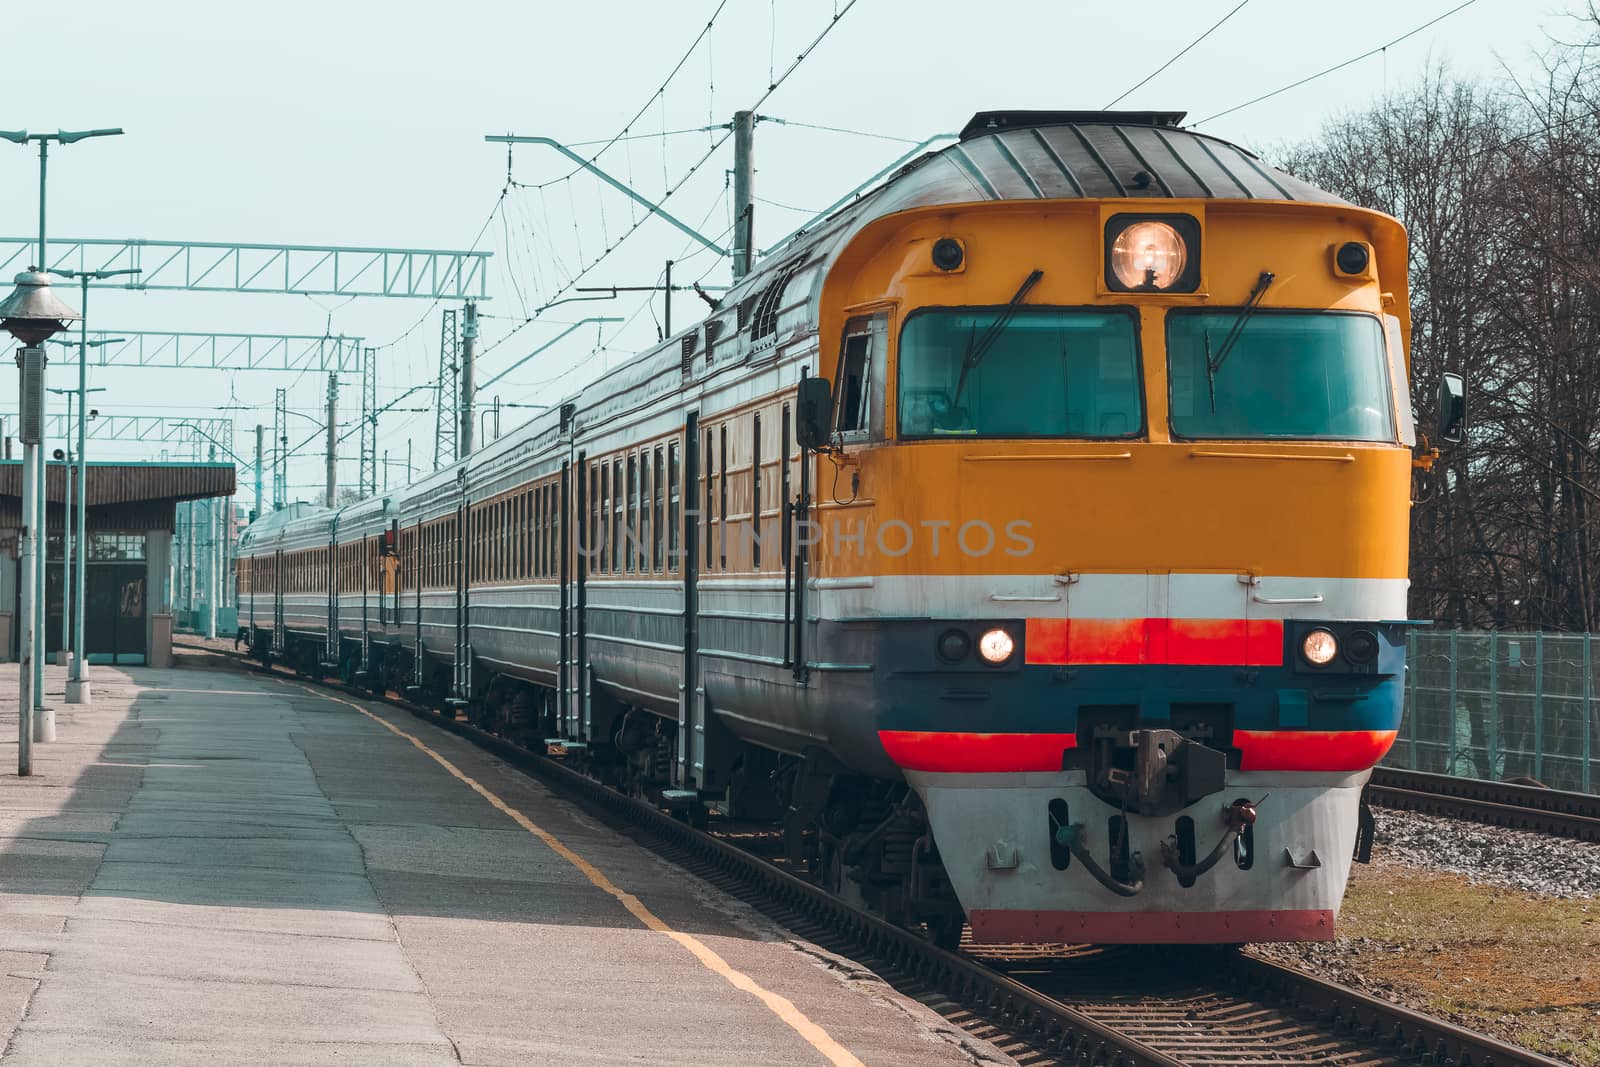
(1490, 855)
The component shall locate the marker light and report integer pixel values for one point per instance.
(1149, 255)
(954, 646)
(996, 646)
(1319, 647)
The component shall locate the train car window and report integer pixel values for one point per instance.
(617, 546)
(755, 491)
(591, 545)
(1020, 372)
(546, 564)
(722, 502)
(672, 505)
(1290, 374)
(552, 527)
(607, 535)
(850, 402)
(536, 527)
(631, 528)
(644, 512)
(656, 556)
(710, 518)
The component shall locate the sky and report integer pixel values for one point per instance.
(349, 122)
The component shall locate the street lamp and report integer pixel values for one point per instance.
(72, 606)
(31, 314)
(78, 674)
(64, 137)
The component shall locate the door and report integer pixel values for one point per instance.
(691, 695)
(563, 518)
(114, 613)
(279, 642)
(585, 539)
(462, 688)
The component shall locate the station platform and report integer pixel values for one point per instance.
(213, 866)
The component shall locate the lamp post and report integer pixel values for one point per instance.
(72, 587)
(78, 674)
(43, 140)
(31, 314)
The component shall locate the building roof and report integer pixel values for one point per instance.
(124, 483)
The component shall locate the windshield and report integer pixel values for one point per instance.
(1046, 372)
(1288, 374)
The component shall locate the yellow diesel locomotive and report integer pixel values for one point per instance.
(1028, 538)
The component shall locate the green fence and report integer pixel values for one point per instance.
(1502, 705)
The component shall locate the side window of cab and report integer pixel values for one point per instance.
(859, 384)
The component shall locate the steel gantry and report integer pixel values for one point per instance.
(225, 267)
(224, 351)
(154, 429)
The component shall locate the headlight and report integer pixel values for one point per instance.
(996, 646)
(1319, 647)
(1149, 255)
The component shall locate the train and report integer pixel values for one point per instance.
(1025, 542)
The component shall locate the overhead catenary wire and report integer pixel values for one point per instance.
(717, 143)
(627, 127)
(841, 129)
(1336, 67)
(1181, 53)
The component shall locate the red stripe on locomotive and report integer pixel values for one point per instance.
(1311, 750)
(1182, 642)
(973, 753)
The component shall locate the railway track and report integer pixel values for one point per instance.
(1518, 807)
(1046, 1004)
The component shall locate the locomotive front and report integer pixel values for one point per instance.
(1116, 506)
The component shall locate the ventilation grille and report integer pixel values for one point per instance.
(766, 314)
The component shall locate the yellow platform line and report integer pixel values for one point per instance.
(780, 1006)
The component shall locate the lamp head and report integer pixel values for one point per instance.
(33, 312)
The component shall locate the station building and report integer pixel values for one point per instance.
(132, 512)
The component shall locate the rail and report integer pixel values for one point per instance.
(1508, 804)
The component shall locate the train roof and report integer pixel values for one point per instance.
(999, 155)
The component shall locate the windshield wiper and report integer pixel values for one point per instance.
(1214, 363)
(978, 347)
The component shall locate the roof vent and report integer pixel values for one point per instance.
(985, 122)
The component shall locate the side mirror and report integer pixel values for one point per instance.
(813, 412)
(1452, 408)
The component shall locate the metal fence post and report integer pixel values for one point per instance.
(1494, 706)
(1450, 719)
(1538, 705)
(1413, 644)
(1588, 698)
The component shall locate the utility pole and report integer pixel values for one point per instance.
(280, 438)
(213, 565)
(469, 345)
(667, 329)
(333, 438)
(744, 128)
(368, 474)
(446, 394)
(74, 572)
(260, 433)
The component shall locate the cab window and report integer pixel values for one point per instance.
(1020, 372)
(1308, 375)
